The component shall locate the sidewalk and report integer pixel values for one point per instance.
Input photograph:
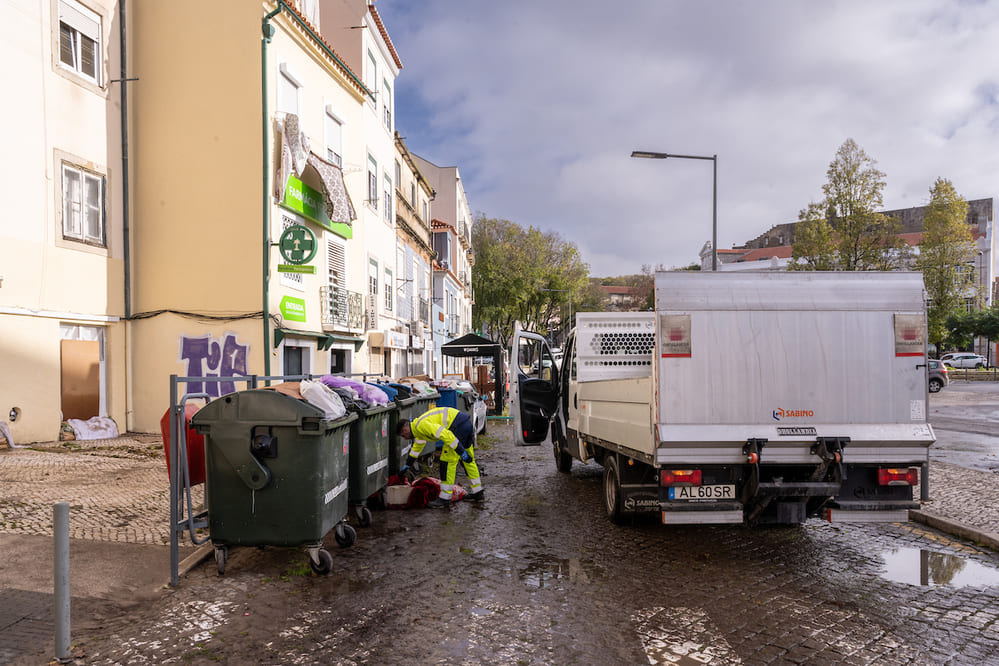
(963, 502)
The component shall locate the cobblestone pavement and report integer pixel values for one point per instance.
(534, 576)
(118, 490)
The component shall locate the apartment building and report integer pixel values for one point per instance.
(204, 190)
(63, 252)
(452, 272)
(414, 254)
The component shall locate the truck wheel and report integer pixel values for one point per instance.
(612, 490)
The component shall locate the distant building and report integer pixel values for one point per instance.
(771, 250)
(622, 298)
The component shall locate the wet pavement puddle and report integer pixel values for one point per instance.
(546, 571)
(915, 566)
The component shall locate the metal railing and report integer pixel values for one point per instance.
(341, 308)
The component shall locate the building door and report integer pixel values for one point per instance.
(338, 362)
(292, 361)
(82, 372)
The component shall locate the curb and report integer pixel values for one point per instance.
(988, 539)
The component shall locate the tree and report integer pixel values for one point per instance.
(813, 249)
(523, 275)
(845, 231)
(945, 254)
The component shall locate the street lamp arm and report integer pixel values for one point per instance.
(714, 192)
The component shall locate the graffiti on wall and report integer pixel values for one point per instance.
(207, 356)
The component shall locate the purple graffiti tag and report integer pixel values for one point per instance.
(233, 362)
(195, 352)
(209, 357)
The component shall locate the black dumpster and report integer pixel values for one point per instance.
(369, 457)
(277, 474)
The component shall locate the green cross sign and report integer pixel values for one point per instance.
(298, 244)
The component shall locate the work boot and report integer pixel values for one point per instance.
(478, 497)
(438, 503)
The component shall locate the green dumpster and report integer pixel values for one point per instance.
(399, 447)
(276, 474)
(369, 457)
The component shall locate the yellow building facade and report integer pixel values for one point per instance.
(244, 227)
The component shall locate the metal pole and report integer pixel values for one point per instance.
(175, 484)
(714, 216)
(60, 520)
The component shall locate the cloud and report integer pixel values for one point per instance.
(541, 103)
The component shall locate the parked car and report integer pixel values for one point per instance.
(937, 373)
(966, 360)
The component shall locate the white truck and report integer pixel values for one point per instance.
(744, 398)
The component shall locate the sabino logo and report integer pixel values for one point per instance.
(780, 413)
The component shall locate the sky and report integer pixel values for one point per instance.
(540, 103)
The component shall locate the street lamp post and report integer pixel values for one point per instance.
(714, 194)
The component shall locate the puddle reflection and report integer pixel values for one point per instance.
(544, 571)
(914, 566)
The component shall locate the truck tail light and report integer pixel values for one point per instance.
(673, 477)
(898, 476)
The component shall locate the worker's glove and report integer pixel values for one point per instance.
(465, 456)
(412, 470)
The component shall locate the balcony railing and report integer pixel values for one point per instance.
(341, 308)
(425, 311)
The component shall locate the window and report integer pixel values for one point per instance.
(426, 213)
(388, 290)
(82, 205)
(371, 75)
(288, 89)
(80, 40)
(388, 200)
(412, 195)
(387, 105)
(372, 182)
(334, 138)
(372, 277)
(398, 173)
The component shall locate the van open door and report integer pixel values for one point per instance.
(534, 389)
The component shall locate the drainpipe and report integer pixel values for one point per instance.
(268, 32)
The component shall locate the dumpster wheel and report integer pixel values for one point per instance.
(320, 560)
(345, 535)
(363, 515)
(221, 556)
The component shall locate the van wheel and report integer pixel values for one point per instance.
(612, 490)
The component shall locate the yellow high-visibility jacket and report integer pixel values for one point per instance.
(432, 426)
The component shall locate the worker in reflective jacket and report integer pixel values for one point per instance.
(457, 433)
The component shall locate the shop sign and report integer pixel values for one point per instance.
(293, 309)
(311, 204)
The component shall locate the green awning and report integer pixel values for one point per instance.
(324, 340)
